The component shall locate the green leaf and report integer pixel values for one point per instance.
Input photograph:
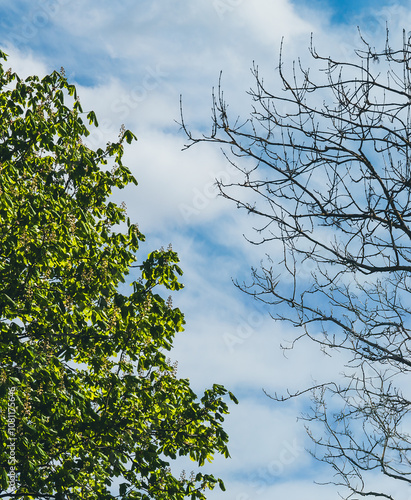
(221, 484)
(233, 398)
(92, 118)
(69, 339)
(123, 488)
(129, 136)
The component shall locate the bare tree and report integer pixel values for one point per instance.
(331, 181)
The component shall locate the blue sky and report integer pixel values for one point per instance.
(348, 11)
(131, 62)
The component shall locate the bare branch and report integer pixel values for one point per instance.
(331, 181)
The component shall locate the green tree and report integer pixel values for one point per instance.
(87, 394)
(324, 166)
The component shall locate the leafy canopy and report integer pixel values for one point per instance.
(87, 394)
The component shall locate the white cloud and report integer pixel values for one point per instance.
(269, 22)
(160, 50)
(25, 64)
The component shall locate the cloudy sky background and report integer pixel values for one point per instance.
(131, 61)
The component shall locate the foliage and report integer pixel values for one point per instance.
(87, 395)
(330, 185)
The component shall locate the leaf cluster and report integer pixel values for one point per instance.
(95, 398)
